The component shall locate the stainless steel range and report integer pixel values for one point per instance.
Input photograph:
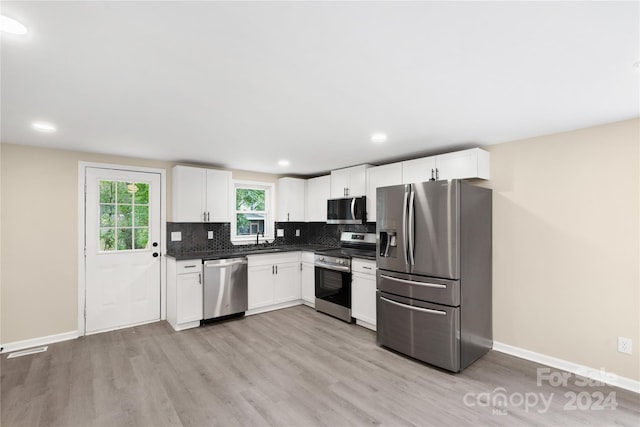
(333, 273)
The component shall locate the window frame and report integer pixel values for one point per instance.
(269, 212)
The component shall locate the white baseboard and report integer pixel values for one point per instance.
(366, 324)
(35, 342)
(273, 307)
(584, 371)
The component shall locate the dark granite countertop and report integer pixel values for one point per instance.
(240, 251)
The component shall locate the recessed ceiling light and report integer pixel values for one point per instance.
(379, 137)
(283, 162)
(11, 26)
(43, 127)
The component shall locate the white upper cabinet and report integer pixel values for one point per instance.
(291, 199)
(472, 163)
(418, 170)
(349, 182)
(200, 195)
(317, 193)
(380, 176)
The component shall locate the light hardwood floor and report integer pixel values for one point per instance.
(292, 367)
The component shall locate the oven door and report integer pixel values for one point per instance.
(333, 286)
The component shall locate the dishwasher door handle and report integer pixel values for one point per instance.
(224, 264)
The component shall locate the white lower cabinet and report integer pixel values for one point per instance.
(184, 293)
(307, 279)
(273, 281)
(363, 293)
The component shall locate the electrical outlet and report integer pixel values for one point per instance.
(297, 233)
(624, 345)
(176, 236)
(210, 234)
(280, 232)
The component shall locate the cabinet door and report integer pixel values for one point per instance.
(473, 163)
(189, 297)
(380, 176)
(317, 193)
(287, 283)
(418, 170)
(307, 283)
(363, 297)
(260, 280)
(291, 199)
(339, 183)
(358, 180)
(189, 194)
(218, 195)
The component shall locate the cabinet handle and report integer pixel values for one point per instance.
(190, 266)
(276, 269)
(367, 268)
(432, 177)
(208, 216)
(273, 269)
(200, 278)
(204, 216)
(437, 174)
(287, 217)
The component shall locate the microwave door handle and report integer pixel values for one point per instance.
(412, 260)
(353, 208)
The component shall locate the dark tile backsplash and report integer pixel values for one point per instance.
(194, 235)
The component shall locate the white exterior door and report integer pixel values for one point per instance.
(122, 240)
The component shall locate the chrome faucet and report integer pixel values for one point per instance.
(258, 236)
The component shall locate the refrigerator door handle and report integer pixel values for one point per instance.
(411, 307)
(411, 282)
(404, 224)
(412, 260)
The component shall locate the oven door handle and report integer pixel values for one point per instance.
(411, 282)
(411, 307)
(320, 264)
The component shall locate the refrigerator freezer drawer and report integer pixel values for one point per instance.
(439, 291)
(424, 331)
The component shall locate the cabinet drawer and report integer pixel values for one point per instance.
(439, 291)
(189, 266)
(307, 257)
(277, 258)
(363, 266)
(425, 331)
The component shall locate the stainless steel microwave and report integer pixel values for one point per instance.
(349, 210)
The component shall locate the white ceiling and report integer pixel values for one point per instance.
(243, 84)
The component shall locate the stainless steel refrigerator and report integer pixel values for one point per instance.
(434, 271)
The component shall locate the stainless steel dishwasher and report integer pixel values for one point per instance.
(225, 287)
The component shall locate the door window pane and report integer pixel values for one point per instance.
(107, 239)
(141, 195)
(107, 192)
(124, 237)
(124, 216)
(141, 216)
(141, 238)
(107, 215)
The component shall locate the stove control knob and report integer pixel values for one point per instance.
(341, 261)
(322, 259)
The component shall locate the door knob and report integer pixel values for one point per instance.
(155, 254)
(154, 244)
